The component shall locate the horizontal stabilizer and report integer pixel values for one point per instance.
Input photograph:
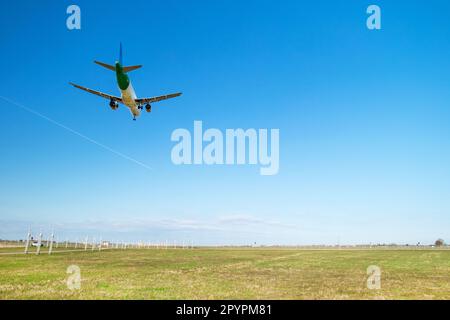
(113, 68)
(107, 66)
(131, 68)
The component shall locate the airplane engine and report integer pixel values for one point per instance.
(113, 105)
(148, 107)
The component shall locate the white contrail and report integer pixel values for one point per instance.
(75, 132)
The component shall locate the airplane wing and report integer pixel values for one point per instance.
(101, 94)
(156, 99)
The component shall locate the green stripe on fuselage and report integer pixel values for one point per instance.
(122, 79)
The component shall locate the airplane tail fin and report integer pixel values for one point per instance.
(129, 68)
(120, 55)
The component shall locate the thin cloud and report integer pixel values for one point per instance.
(250, 220)
(234, 223)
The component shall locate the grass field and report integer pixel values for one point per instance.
(227, 274)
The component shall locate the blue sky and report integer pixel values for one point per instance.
(363, 118)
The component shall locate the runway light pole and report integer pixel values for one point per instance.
(38, 251)
(50, 248)
(27, 243)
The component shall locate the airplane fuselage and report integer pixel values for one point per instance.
(128, 98)
(127, 91)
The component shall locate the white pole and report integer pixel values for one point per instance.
(27, 243)
(100, 246)
(50, 249)
(38, 251)
(86, 243)
(67, 243)
(93, 244)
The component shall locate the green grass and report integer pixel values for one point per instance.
(260, 273)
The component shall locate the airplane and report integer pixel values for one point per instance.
(127, 95)
(36, 244)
